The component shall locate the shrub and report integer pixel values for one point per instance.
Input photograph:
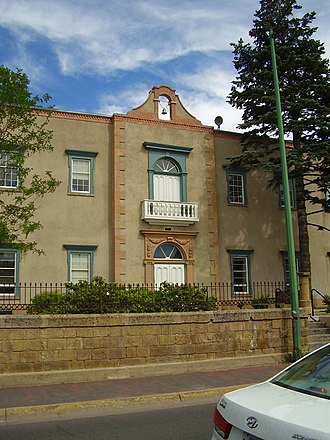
(260, 302)
(47, 303)
(326, 301)
(101, 297)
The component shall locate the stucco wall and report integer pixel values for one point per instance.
(74, 219)
(78, 342)
(258, 226)
(134, 159)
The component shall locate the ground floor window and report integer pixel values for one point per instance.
(80, 262)
(240, 271)
(286, 269)
(8, 271)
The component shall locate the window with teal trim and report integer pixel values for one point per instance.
(80, 262)
(327, 197)
(236, 187)
(8, 272)
(8, 171)
(292, 191)
(167, 171)
(240, 262)
(286, 269)
(81, 171)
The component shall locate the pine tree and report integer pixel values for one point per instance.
(303, 74)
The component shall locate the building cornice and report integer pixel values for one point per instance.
(64, 114)
(168, 124)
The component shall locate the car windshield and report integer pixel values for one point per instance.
(311, 375)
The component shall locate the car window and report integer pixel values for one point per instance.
(311, 375)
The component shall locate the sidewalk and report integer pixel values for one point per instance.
(31, 400)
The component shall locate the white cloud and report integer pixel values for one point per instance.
(104, 38)
(123, 101)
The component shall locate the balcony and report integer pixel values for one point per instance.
(157, 212)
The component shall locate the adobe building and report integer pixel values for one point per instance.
(146, 197)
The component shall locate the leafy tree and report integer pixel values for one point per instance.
(303, 74)
(22, 134)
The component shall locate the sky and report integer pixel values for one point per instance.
(104, 56)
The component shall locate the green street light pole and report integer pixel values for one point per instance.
(288, 217)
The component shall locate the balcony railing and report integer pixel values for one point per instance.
(169, 213)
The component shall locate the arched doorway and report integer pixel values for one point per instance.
(169, 256)
(169, 265)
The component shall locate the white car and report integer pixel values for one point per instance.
(294, 404)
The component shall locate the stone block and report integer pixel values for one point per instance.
(116, 353)
(25, 345)
(98, 354)
(109, 342)
(29, 356)
(74, 343)
(158, 351)
(66, 355)
(56, 344)
(83, 355)
(84, 332)
(90, 343)
(46, 356)
(131, 352)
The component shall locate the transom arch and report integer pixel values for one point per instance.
(167, 165)
(167, 251)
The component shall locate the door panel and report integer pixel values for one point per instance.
(166, 188)
(172, 273)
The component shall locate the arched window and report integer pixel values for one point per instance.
(168, 164)
(168, 251)
(167, 180)
(165, 165)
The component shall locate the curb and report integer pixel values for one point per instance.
(15, 414)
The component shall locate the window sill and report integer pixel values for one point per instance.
(9, 188)
(80, 194)
(240, 205)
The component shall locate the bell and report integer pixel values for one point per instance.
(164, 112)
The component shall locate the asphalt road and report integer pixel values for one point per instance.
(192, 422)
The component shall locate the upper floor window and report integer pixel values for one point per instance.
(167, 180)
(167, 172)
(8, 171)
(292, 192)
(81, 171)
(236, 187)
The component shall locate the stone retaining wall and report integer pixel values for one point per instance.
(79, 342)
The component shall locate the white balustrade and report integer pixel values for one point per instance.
(163, 212)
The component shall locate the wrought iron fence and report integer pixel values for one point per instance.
(259, 294)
